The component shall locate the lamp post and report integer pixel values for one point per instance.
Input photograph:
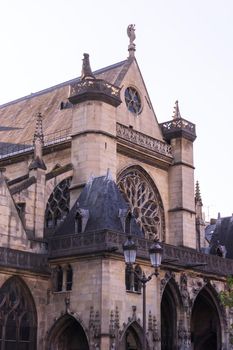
(155, 253)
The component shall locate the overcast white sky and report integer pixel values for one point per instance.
(184, 50)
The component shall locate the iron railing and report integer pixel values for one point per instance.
(10, 149)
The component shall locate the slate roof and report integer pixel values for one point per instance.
(21, 113)
(102, 198)
(221, 233)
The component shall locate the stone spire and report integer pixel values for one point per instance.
(176, 112)
(132, 37)
(38, 142)
(198, 194)
(86, 68)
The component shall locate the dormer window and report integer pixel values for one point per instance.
(81, 219)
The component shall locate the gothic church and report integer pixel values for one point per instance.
(84, 166)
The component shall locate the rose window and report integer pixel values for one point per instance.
(133, 101)
(145, 203)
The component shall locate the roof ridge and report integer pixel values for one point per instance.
(57, 86)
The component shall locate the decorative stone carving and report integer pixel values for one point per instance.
(94, 329)
(132, 37)
(184, 337)
(164, 281)
(143, 140)
(184, 290)
(153, 334)
(197, 285)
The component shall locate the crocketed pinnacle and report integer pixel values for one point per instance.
(86, 68)
(176, 112)
(198, 193)
(38, 135)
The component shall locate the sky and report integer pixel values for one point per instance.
(184, 49)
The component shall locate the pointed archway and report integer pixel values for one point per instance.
(170, 304)
(207, 333)
(67, 334)
(132, 338)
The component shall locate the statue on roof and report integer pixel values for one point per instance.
(132, 37)
(131, 33)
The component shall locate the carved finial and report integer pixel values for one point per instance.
(132, 37)
(198, 194)
(86, 68)
(176, 112)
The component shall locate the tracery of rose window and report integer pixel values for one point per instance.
(145, 202)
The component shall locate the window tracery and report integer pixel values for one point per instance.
(145, 202)
(18, 317)
(132, 100)
(58, 204)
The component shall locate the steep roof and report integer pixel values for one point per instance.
(18, 118)
(221, 234)
(102, 202)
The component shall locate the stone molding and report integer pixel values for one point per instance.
(110, 242)
(11, 258)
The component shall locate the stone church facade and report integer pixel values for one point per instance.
(83, 165)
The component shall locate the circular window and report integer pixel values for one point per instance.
(133, 101)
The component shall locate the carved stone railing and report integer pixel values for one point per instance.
(178, 127)
(143, 140)
(12, 258)
(94, 89)
(102, 242)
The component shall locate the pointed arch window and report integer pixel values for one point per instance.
(18, 323)
(58, 205)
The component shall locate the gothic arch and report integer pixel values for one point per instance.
(67, 333)
(132, 335)
(18, 323)
(144, 199)
(207, 307)
(171, 309)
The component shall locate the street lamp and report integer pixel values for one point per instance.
(155, 253)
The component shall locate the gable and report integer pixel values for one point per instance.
(146, 121)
